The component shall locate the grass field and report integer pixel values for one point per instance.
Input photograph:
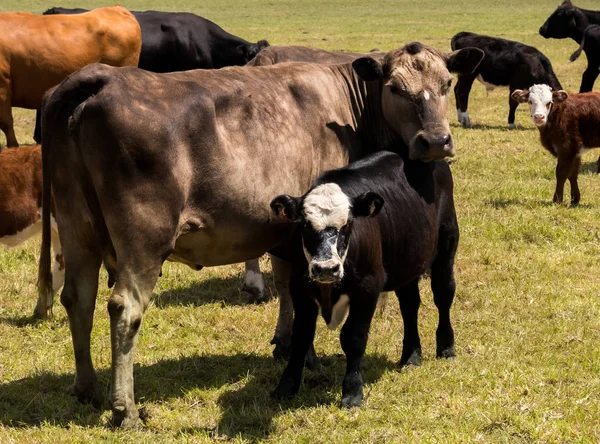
(527, 314)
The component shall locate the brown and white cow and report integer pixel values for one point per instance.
(21, 210)
(569, 126)
(236, 137)
(37, 52)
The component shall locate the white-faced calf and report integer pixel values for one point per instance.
(376, 225)
(20, 209)
(569, 125)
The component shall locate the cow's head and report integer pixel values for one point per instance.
(540, 99)
(249, 51)
(416, 83)
(562, 21)
(326, 215)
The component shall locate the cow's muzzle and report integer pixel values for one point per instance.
(543, 31)
(429, 148)
(327, 272)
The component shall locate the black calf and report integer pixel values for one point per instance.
(376, 225)
(506, 63)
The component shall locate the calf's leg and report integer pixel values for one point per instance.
(512, 108)
(303, 334)
(282, 338)
(354, 336)
(589, 77)
(37, 132)
(410, 301)
(563, 171)
(254, 284)
(575, 194)
(461, 93)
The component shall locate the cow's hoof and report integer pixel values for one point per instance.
(446, 353)
(512, 126)
(313, 362)
(281, 352)
(352, 401)
(286, 389)
(88, 395)
(414, 359)
(41, 314)
(253, 295)
(126, 418)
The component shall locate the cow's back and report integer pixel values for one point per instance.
(38, 52)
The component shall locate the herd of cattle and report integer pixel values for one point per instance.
(333, 164)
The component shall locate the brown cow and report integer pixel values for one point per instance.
(279, 54)
(20, 210)
(568, 128)
(38, 52)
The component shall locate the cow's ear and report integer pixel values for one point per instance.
(464, 60)
(367, 205)
(368, 69)
(520, 96)
(286, 206)
(559, 96)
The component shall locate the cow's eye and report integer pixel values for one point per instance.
(548, 105)
(394, 89)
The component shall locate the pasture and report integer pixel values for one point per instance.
(526, 313)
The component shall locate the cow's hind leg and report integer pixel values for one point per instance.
(443, 286)
(79, 299)
(254, 284)
(512, 108)
(136, 277)
(575, 194)
(410, 300)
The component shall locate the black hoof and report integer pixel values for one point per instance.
(253, 294)
(446, 353)
(352, 401)
(88, 396)
(313, 362)
(414, 359)
(286, 389)
(281, 352)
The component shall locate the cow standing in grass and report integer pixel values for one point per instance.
(236, 137)
(376, 225)
(506, 63)
(569, 126)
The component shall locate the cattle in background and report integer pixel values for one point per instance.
(209, 194)
(569, 126)
(280, 54)
(38, 52)
(20, 210)
(180, 41)
(569, 21)
(506, 63)
(377, 225)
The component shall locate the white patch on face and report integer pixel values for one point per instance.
(339, 312)
(426, 95)
(254, 280)
(539, 97)
(327, 206)
(463, 118)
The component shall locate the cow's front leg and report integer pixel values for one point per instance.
(303, 334)
(354, 336)
(254, 284)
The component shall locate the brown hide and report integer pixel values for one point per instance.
(279, 54)
(39, 51)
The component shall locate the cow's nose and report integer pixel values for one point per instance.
(325, 271)
(539, 118)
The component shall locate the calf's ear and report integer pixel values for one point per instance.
(367, 205)
(464, 60)
(368, 69)
(520, 96)
(286, 206)
(559, 96)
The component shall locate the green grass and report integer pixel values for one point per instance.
(527, 315)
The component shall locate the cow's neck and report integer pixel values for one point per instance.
(593, 17)
(583, 19)
(372, 132)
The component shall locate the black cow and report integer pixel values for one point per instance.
(345, 257)
(180, 41)
(506, 63)
(569, 21)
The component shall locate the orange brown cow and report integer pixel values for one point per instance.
(38, 52)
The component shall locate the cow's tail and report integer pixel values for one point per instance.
(577, 53)
(60, 108)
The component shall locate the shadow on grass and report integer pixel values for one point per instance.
(21, 321)
(226, 290)
(506, 203)
(247, 409)
(589, 168)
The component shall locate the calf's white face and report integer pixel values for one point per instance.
(326, 215)
(540, 99)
